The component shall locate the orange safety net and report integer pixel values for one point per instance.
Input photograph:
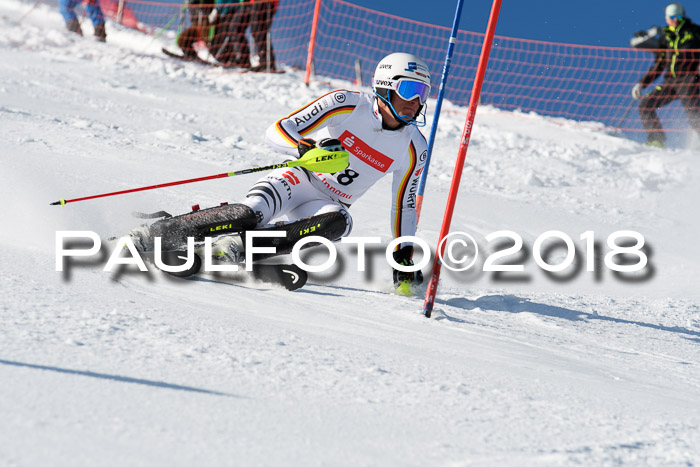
(586, 84)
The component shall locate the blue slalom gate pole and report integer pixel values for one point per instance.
(438, 106)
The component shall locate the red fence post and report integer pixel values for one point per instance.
(312, 42)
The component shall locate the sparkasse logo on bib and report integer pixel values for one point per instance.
(364, 152)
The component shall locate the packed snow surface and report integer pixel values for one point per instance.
(98, 368)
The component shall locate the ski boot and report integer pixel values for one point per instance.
(403, 281)
(74, 26)
(100, 33)
(227, 248)
(655, 144)
(141, 238)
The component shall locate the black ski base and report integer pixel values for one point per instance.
(289, 276)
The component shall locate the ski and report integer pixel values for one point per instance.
(289, 276)
(231, 69)
(251, 70)
(178, 56)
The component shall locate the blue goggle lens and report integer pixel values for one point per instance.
(678, 17)
(409, 90)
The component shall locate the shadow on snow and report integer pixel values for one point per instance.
(121, 379)
(513, 304)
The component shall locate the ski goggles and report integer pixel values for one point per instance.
(675, 17)
(409, 89)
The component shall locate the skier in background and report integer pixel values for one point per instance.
(380, 133)
(682, 39)
(94, 11)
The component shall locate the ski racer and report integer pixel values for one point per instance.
(682, 81)
(380, 133)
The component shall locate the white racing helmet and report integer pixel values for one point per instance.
(406, 75)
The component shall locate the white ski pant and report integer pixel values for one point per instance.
(288, 194)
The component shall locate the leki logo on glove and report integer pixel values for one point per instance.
(364, 152)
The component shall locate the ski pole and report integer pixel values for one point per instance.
(316, 160)
(29, 11)
(438, 106)
(162, 30)
(624, 116)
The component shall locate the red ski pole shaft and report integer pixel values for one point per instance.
(459, 165)
(316, 160)
(63, 202)
(29, 10)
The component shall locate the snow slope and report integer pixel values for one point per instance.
(138, 369)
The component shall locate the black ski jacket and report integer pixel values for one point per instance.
(683, 55)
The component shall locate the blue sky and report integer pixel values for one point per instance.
(593, 22)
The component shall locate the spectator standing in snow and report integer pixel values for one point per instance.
(224, 32)
(199, 29)
(680, 62)
(229, 45)
(67, 7)
(262, 12)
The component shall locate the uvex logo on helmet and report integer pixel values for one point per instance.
(381, 82)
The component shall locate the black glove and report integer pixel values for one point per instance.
(329, 144)
(304, 145)
(403, 257)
